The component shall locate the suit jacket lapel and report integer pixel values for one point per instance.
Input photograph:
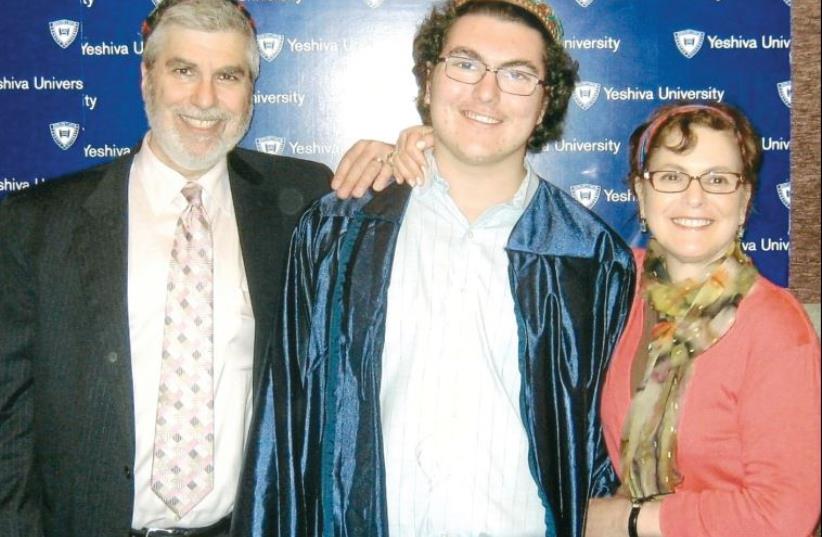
(258, 222)
(101, 245)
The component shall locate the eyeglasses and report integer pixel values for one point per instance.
(671, 182)
(471, 71)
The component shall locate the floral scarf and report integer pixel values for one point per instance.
(691, 317)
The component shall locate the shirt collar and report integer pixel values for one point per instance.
(163, 185)
(519, 201)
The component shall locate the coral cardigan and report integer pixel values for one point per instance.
(749, 431)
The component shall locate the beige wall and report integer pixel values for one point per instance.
(805, 151)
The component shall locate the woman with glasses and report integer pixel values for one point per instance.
(711, 407)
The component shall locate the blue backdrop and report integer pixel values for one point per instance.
(337, 71)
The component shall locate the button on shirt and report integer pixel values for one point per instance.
(455, 448)
(155, 203)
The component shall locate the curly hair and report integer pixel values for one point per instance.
(680, 117)
(560, 68)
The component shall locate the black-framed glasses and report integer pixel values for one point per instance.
(509, 79)
(670, 182)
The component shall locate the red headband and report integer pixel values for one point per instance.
(652, 128)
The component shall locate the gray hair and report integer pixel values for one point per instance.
(201, 15)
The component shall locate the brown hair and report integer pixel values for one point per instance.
(560, 69)
(680, 117)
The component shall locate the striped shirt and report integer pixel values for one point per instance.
(455, 447)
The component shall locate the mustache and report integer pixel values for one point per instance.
(208, 114)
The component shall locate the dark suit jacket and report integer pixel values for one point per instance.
(66, 402)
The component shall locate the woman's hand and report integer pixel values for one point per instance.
(608, 517)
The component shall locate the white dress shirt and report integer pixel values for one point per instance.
(155, 203)
(455, 447)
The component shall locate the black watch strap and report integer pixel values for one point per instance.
(633, 517)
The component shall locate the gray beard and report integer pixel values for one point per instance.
(170, 141)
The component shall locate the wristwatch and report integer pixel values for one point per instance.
(636, 505)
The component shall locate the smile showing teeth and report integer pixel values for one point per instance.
(692, 222)
(199, 123)
(481, 118)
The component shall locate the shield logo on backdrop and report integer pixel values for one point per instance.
(585, 3)
(586, 194)
(784, 191)
(273, 145)
(64, 31)
(586, 94)
(64, 133)
(784, 89)
(270, 45)
(373, 4)
(787, 2)
(689, 42)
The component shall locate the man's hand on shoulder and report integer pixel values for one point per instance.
(374, 164)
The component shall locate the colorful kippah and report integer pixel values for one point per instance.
(539, 9)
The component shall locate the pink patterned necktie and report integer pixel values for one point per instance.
(182, 472)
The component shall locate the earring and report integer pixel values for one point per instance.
(643, 225)
(740, 232)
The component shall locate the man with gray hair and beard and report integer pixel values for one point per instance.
(136, 299)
